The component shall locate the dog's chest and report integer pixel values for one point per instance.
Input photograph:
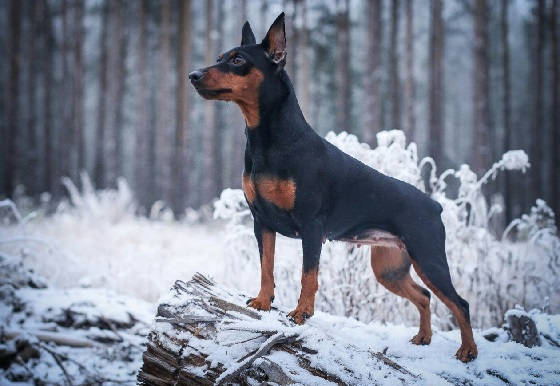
(280, 192)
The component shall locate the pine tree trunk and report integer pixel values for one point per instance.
(394, 67)
(31, 177)
(343, 95)
(481, 100)
(410, 87)
(506, 111)
(536, 189)
(163, 124)
(99, 164)
(183, 64)
(12, 98)
(555, 118)
(208, 185)
(219, 109)
(49, 139)
(120, 39)
(373, 120)
(78, 97)
(305, 62)
(436, 80)
(141, 164)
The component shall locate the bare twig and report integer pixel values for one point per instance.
(56, 355)
(231, 373)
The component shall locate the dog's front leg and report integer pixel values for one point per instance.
(311, 239)
(266, 239)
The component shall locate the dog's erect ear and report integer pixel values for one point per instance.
(247, 35)
(274, 42)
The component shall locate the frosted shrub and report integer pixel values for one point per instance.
(492, 274)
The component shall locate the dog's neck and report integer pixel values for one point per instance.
(281, 119)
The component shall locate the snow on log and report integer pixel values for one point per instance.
(205, 334)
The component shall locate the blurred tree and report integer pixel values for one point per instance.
(536, 149)
(100, 137)
(343, 76)
(481, 90)
(118, 74)
(506, 94)
(554, 176)
(410, 86)
(373, 120)
(30, 172)
(142, 180)
(209, 178)
(78, 88)
(394, 66)
(178, 183)
(436, 79)
(12, 98)
(305, 62)
(163, 123)
(47, 68)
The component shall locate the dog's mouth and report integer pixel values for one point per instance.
(208, 93)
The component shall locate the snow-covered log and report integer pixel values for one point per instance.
(205, 334)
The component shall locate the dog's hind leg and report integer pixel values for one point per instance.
(391, 266)
(427, 250)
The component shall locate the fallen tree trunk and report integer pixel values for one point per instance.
(205, 334)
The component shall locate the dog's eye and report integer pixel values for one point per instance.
(237, 60)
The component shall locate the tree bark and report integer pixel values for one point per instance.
(506, 110)
(219, 151)
(49, 139)
(394, 67)
(481, 90)
(373, 120)
(142, 150)
(99, 163)
(12, 98)
(31, 176)
(78, 97)
(165, 190)
(555, 112)
(183, 64)
(209, 182)
(410, 86)
(436, 81)
(343, 78)
(120, 39)
(305, 62)
(537, 130)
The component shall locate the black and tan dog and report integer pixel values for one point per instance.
(301, 186)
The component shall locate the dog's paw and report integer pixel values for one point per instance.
(467, 352)
(299, 316)
(422, 338)
(261, 303)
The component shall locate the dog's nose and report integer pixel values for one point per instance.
(196, 75)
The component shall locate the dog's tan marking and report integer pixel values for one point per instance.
(391, 266)
(266, 293)
(281, 193)
(306, 302)
(248, 188)
(468, 350)
(244, 91)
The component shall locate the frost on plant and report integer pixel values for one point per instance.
(492, 273)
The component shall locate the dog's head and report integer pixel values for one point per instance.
(241, 72)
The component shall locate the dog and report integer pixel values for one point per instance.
(301, 186)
